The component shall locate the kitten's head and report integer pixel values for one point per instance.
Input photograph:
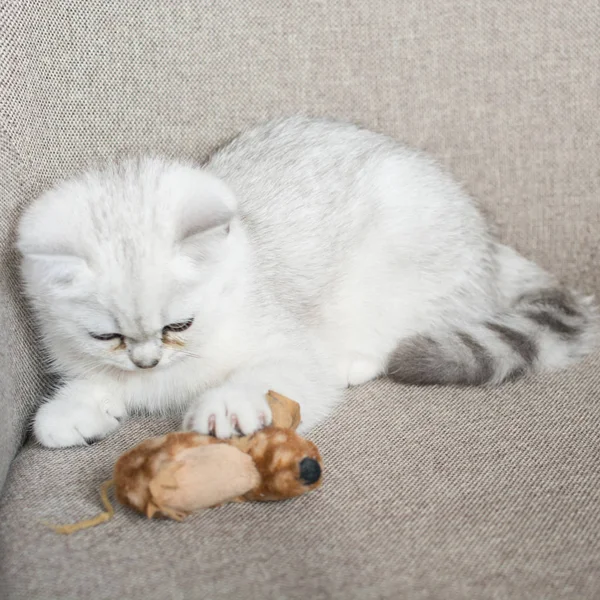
(124, 266)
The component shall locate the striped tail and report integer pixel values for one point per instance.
(543, 330)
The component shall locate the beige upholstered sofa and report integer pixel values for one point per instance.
(430, 493)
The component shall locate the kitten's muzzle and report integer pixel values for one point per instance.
(146, 354)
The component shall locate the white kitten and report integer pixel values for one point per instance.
(307, 255)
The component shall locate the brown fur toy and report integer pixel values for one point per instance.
(182, 472)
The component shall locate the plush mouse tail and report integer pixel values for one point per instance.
(104, 516)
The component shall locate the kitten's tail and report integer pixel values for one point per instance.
(544, 327)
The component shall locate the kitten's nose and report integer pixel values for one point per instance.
(146, 364)
(310, 470)
(145, 355)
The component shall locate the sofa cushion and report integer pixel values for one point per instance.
(504, 94)
(443, 493)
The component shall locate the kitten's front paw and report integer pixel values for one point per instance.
(228, 411)
(66, 422)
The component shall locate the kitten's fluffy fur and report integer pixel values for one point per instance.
(311, 254)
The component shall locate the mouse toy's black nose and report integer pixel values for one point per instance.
(310, 470)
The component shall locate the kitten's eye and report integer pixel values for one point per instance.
(105, 337)
(177, 327)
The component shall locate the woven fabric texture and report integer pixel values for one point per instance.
(437, 493)
(433, 493)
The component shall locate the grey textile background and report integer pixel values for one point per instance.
(492, 491)
(443, 493)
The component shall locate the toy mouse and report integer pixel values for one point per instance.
(183, 472)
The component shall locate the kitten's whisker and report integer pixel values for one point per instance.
(191, 354)
(90, 369)
(93, 367)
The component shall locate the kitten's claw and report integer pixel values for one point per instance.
(66, 422)
(212, 425)
(92, 440)
(225, 412)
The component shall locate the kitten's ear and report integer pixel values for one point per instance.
(54, 272)
(51, 261)
(204, 217)
(206, 213)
